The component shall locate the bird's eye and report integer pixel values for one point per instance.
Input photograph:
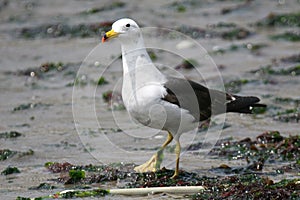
(127, 25)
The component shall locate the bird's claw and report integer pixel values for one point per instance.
(151, 165)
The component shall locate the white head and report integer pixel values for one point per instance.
(123, 28)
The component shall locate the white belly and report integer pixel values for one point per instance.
(147, 107)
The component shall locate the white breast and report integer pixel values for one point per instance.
(146, 106)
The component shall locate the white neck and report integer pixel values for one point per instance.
(138, 69)
(137, 63)
(131, 50)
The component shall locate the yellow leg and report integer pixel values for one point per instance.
(177, 151)
(154, 163)
(169, 139)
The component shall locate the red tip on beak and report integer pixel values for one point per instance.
(104, 38)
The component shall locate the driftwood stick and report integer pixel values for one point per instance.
(155, 190)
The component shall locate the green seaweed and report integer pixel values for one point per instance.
(58, 167)
(113, 99)
(6, 153)
(253, 48)
(25, 198)
(10, 170)
(288, 19)
(187, 64)
(182, 6)
(288, 115)
(29, 152)
(102, 81)
(81, 81)
(287, 36)
(222, 187)
(243, 5)
(152, 55)
(267, 147)
(195, 32)
(22, 107)
(64, 30)
(250, 187)
(112, 6)
(27, 106)
(225, 25)
(293, 71)
(43, 186)
(291, 59)
(76, 175)
(10, 134)
(259, 110)
(107, 95)
(44, 70)
(236, 34)
(235, 85)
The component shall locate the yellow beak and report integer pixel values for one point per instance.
(108, 35)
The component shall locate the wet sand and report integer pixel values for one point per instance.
(48, 126)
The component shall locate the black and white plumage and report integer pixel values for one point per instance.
(166, 103)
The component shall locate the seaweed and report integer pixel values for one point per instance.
(6, 153)
(10, 170)
(187, 64)
(232, 33)
(182, 6)
(27, 106)
(290, 168)
(45, 70)
(75, 176)
(235, 85)
(25, 153)
(293, 71)
(259, 110)
(114, 100)
(43, 186)
(253, 48)
(223, 25)
(102, 81)
(255, 166)
(112, 6)
(243, 5)
(250, 187)
(89, 174)
(10, 134)
(273, 20)
(287, 36)
(81, 81)
(234, 186)
(288, 115)
(4, 4)
(291, 59)
(64, 30)
(152, 55)
(287, 100)
(267, 147)
(195, 32)
(236, 34)
(55, 167)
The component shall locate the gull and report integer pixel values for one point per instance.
(162, 102)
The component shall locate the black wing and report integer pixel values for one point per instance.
(202, 102)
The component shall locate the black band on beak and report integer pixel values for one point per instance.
(104, 38)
